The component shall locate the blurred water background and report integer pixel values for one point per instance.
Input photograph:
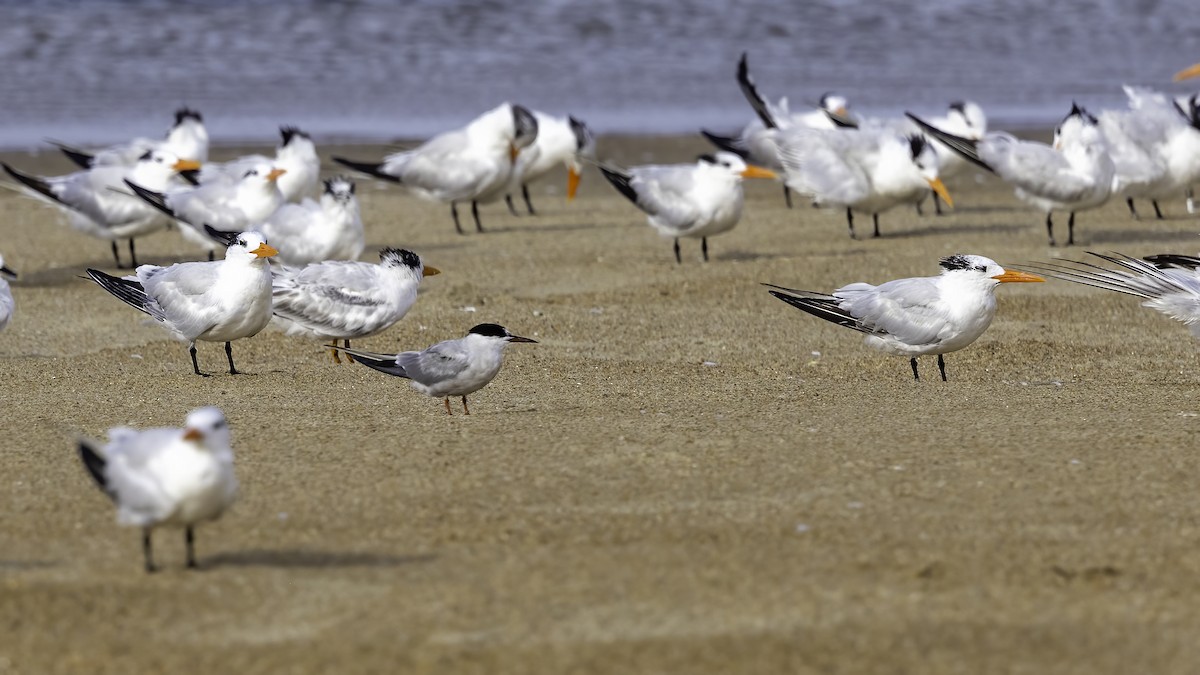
(96, 71)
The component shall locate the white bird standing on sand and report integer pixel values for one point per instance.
(468, 164)
(7, 304)
(296, 155)
(98, 203)
(917, 316)
(215, 301)
(311, 232)
(451, 368)
(698, 200)
(561, 141)
(1168, 283)
(756, 143)
(225, 207)
(166, 476)
(863, 170)
(1075, 174)
(344, 300)
(187, 139)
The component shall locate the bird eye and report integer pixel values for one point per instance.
(241, 242)
(220, 425)
(251, 172)
(981, 268)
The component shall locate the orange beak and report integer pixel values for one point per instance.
(193, 435)
(265, 251)
(275, 174)
(513, 151)
(572, 182)
(186, 165)
(1015, 277)
(430, 271)
(1187, 73)
(940, 188)
(758, 172)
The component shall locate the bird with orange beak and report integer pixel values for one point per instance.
(561, 141)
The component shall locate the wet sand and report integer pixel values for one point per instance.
(685, 475)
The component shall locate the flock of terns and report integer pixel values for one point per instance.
(257, 208)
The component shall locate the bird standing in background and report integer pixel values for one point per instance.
(560, 142)
(187, 139)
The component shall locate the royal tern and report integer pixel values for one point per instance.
(296, 155)
(344, 300)
(7, 304)
(166, 476)
(1188, 73)
(225, 207)
(187, 139)
(311, 232)
(98, 203)
(756, 142)
(458, 367)
(561, 141)
(216, 301)
(863, 170)
(917, 316)
(689, 200)
(1168, 283)
(1075, 174)
(468, 164)
(962, 118)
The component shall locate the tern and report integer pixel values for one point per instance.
(166, 477)
(345, 299)
(458, 367)
(962, 118)
(917, 316)
(1075, 174)
(97, 201)
(689, 200)
(7, 304)
(296, 155)
(225, 207)
(561, 141)
(187, 139)
(1168, 283)
(863, 170)
(216, 301)
(311, 231)
(473, 163)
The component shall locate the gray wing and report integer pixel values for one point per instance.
(663, 192)
(183, 292)
(910, 309)
(1036, 168)
(824, 164)
(439, 363)
(344, 297)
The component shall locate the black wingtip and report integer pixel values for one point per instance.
(226, 237)
(726, 143)
(841, 121)
(384, 363)
(750, 91)
(82, 159)
(156, 199)
(621, 181)
(95, 465)
(128, 292)
(367, 168)
(966, 147)
(1163, 260)
(33, 183)
(822, 308)
(192, 176)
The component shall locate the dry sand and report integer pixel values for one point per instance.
(685, 476)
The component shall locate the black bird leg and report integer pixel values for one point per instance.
(511, 209)
(147, 551)
(1157, 211)
(116, 256)
(937, 204)
(1132, 210)
(1071, 229)
(787, 196)
(132, 255)
(475, 215)
(229, 355)
(913, 362)
(942, 366)
(346, 344)
(189, 538)
(454, 212)
(466, 410)
(212, 256)
(850, 222)
(704, 247)
(195, 366)
(678, 260)
(875, 220)
(920, 211)
(1050, 227)
(528, 204)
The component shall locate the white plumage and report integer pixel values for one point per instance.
(7, 304)
(315, 231)
(296, 155)
(560, 142)
(187, 139)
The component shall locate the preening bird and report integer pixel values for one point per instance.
(187, 139)
(698, 200)
(296, 155)
(312, 232)
(472, 164)
(166, 477)
(458, 367)
(917, 316)
(215, 301)
(561, 141)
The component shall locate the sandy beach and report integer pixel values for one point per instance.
(685, 475)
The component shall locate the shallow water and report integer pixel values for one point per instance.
(90, 72)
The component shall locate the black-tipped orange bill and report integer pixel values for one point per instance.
(8, 271)
(841, 111)
(940, 189)
(513, 151)
(572, 182)
(1187, 73)
(429, 271)
(758, 172)
(1015, 277)
(192, 435)
(276, 173)
(518, 338)
(186, 165)
(265, 251)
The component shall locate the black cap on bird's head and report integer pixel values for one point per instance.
(340, 188)
(706, 158)
(1081, 113)
(497, 331)
(916, 145)
(187, 114)
(960, 106)
(288, 133)
(400, 256)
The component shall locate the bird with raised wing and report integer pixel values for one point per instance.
(697, 200)
(215, 301)
(458, 367)
(916, 316)
(166, 477)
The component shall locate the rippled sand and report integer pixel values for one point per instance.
(686, 475)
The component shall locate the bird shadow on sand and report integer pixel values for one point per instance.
(1135, 235)
(739, 255)
(61, 276)
(554, 227)
(946, 228)
(25, 565)
(310, 559)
